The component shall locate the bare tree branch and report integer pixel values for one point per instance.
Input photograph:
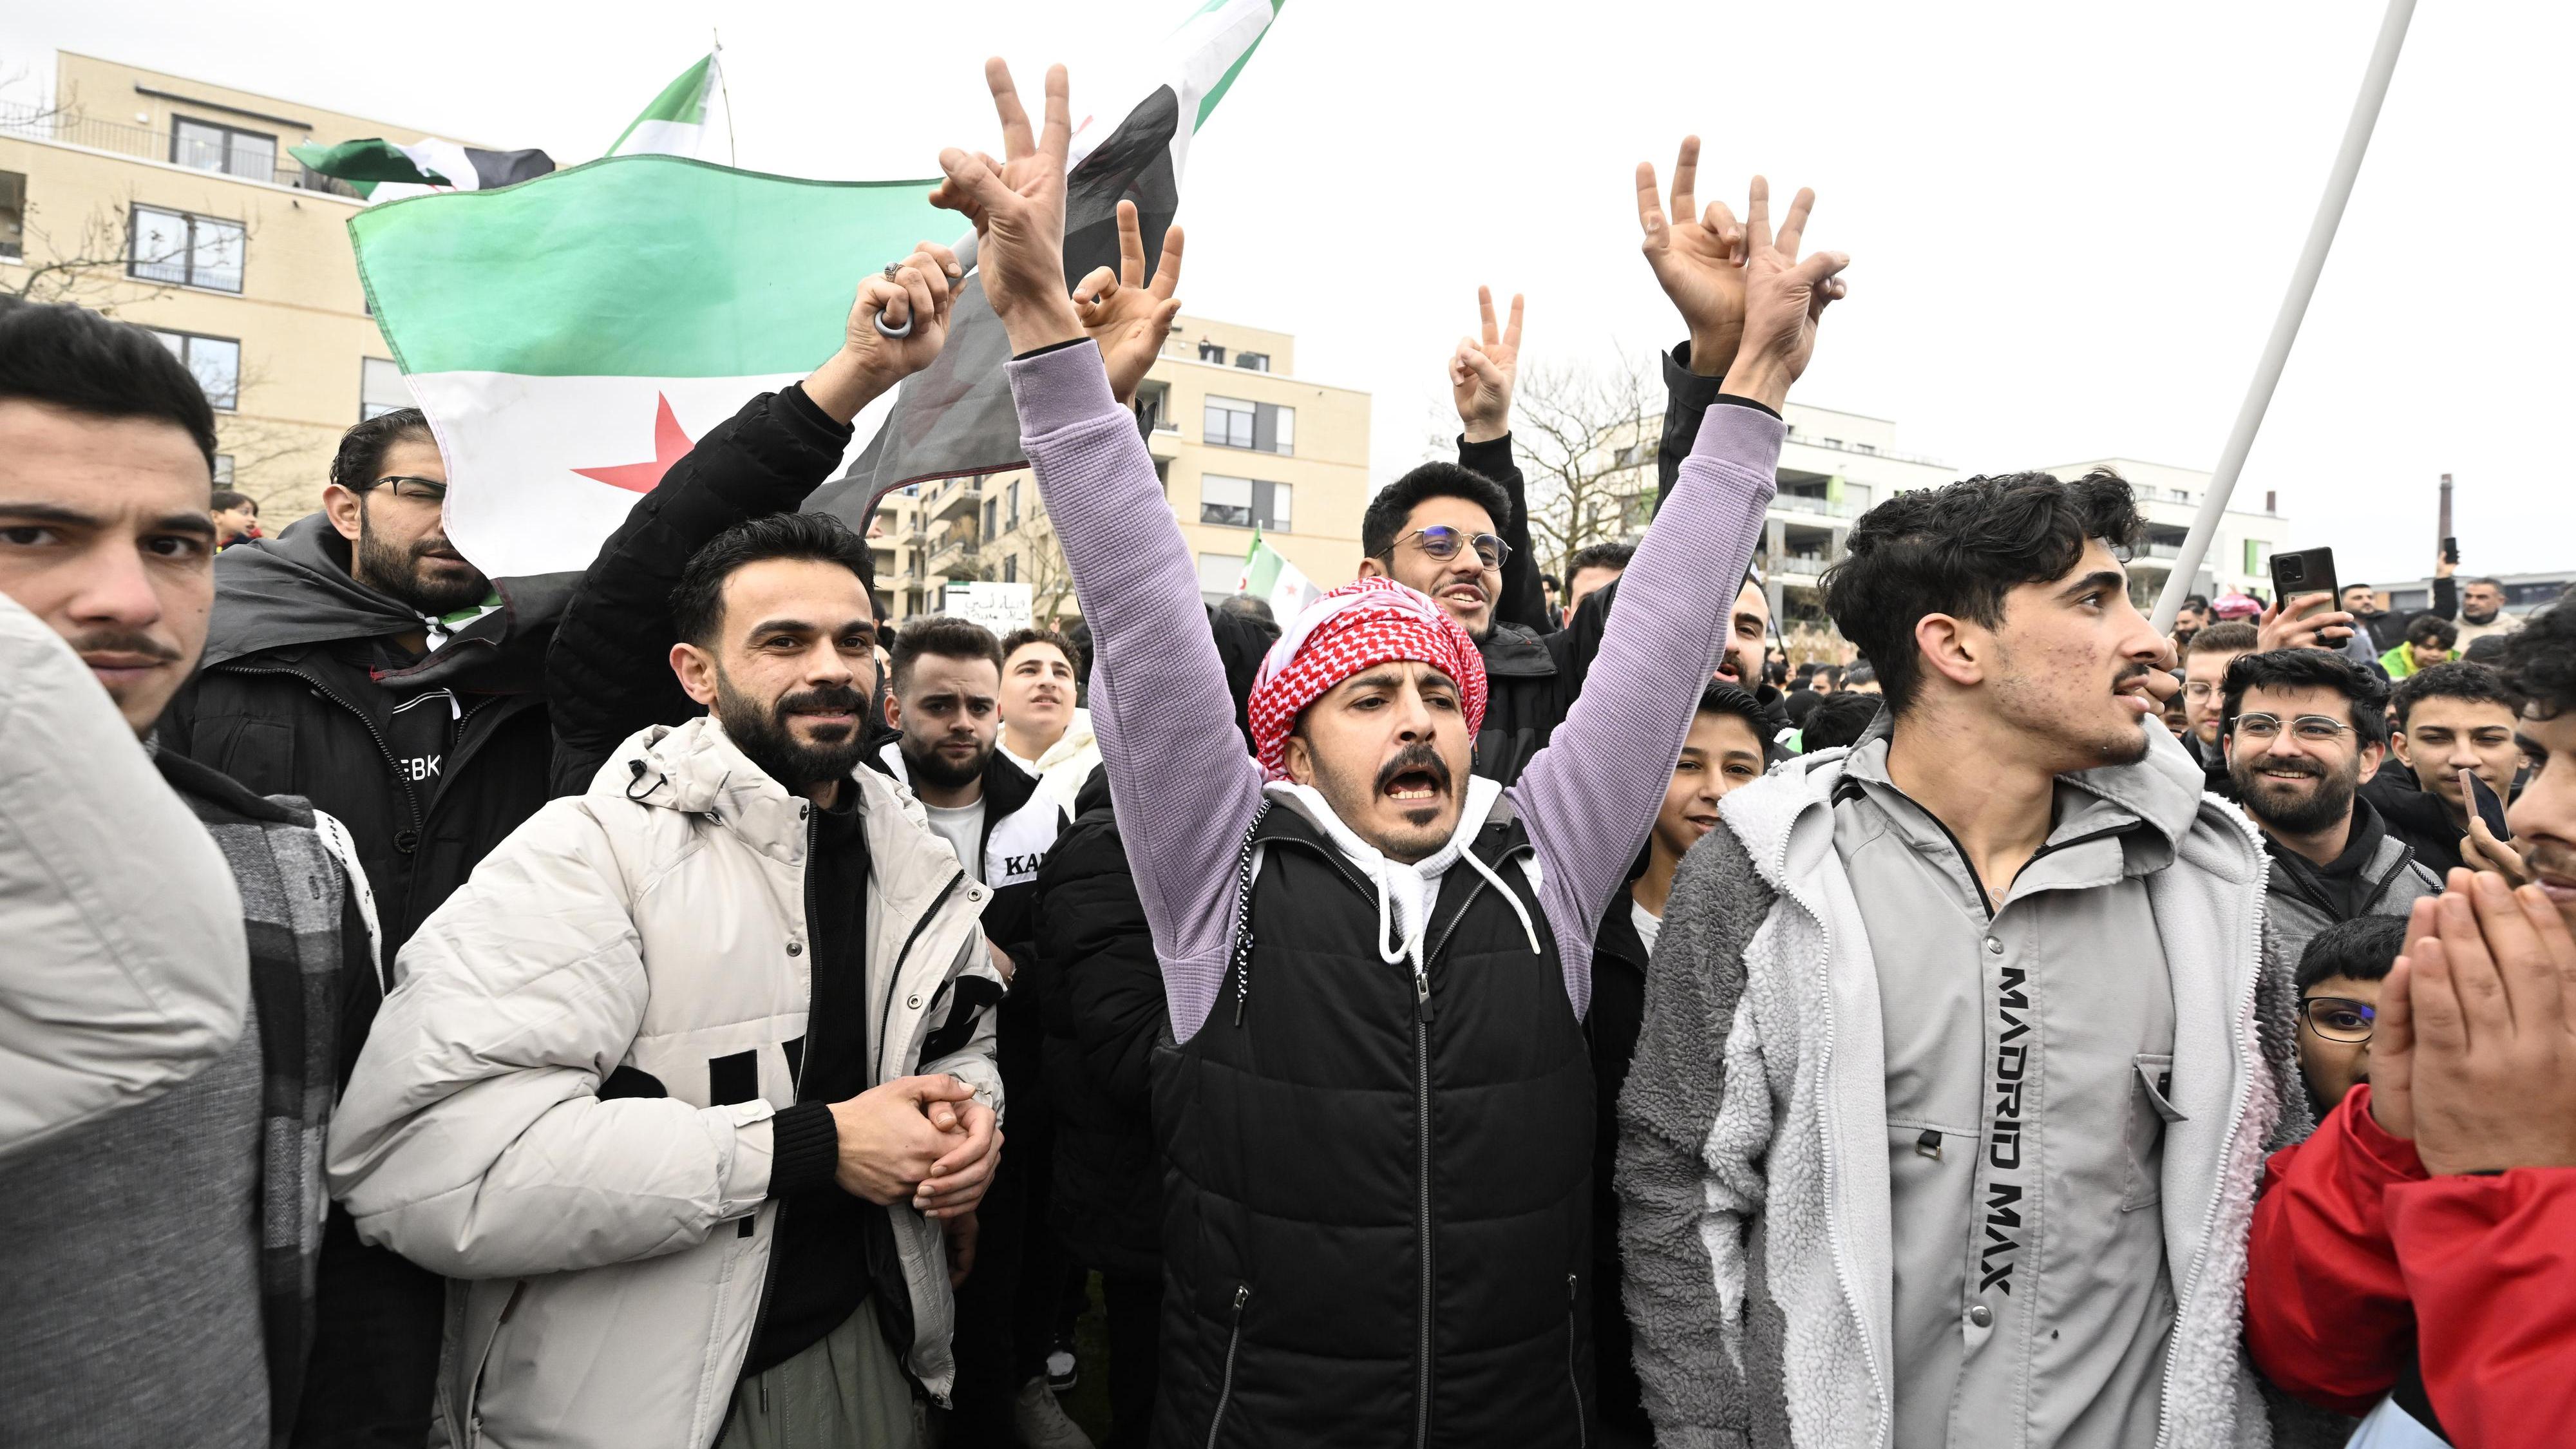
(1584, 434)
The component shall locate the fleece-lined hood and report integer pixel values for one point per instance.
(296, 589)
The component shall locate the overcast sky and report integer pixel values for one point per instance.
(2070, 224)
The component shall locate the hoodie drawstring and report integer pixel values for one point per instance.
(1528, 930)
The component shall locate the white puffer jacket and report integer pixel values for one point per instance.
(619, 1249)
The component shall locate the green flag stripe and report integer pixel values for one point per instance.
(1225, 82)
(633, 266)
(684, 99)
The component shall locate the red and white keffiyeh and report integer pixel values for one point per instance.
(1363, 623)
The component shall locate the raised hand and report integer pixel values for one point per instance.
(2310, 621)
(1699, 260)
(1784, 296)
(919, 293)
(1481, 373)
(1128, 317)
(1017, 206)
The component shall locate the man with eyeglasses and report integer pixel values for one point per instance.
(359, 661)
(2205, 657)
(2302, 728)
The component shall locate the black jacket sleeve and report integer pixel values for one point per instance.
(608, 672)
(1687, 397)
(2446, 603)
(1523, 602)
(1093, 933)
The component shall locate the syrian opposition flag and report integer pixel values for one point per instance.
(1275, 581)
(382, 170)
(676, 124)
(568, 339)
(955, 417)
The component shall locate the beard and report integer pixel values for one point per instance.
(2329, 802)
(923, 762)
(765, 736)
(399, 573)
(2472, 616)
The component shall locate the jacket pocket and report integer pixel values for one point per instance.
(1225, 1379)
(2143, 1129)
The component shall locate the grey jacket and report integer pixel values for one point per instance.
(1755, 1222)
(2389, 886)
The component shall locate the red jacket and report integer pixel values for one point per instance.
(2359, 1259)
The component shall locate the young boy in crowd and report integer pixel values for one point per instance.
(2339, 977)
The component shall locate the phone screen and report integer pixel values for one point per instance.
(2490, 808)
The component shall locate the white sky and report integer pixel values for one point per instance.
(2070, 223)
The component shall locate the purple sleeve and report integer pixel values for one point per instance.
(1590, 797)
(1181, 785)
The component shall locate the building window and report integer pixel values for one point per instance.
(1010, 568)
(216, 362)
(223, 470)
(193, 251)
(381, 389)
(1218, 575)
(1012, 513)
(207, 146)
(1262, 427)
(1154, 400)
(1212, 352)
(1243, 503)
(13, 215)
(992, 510)
(1253, 361)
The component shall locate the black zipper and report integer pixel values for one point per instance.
(1233, 1340)
(1573, 1369)
(894, 978)
(1422, 1169)
(393, 767)
(796, 1088)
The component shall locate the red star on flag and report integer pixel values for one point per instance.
(669, 443)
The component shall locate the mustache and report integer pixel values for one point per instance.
(2551, 858)
(1414, 757)
(2288, 764)
(118, 641)
(819, 699)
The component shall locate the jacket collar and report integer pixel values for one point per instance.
(1007, 787)
(696, 769)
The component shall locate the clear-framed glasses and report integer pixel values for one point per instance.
(2315, 729)
(2199, 689)
(417, 490)
(1443, 543)
(2339, 1018)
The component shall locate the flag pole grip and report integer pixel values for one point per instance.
(2294, 309)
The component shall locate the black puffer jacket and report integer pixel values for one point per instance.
(1105, 1010)
(1378, 1224)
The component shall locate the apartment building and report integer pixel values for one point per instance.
(171, 202)
(1242, 444)
(2240, 554)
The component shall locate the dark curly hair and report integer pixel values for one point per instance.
(2458, 679)
(2309, 669)
(2539, 660)
(362, 449)
(697, 603)
(1959, 550)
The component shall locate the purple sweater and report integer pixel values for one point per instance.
(1181, 784)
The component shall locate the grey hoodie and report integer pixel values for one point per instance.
(1756, 1221)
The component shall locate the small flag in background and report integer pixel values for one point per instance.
(382, 170)
(1275, 581)
(565, 368)
(955, 417)
(676, 123)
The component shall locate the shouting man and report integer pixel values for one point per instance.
(1379, 1094)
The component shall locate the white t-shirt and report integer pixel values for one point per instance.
(962, 826)
(1647, 924)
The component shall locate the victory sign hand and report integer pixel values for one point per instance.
(1017, 206)
(1481, 374)
(1699, 260)
(1125, 315)
(1784, 295)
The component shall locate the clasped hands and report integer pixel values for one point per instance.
(2474, 1053)
(922, 1140)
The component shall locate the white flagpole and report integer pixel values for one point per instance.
(2294, 309)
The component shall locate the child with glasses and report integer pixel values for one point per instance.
(2339, 977)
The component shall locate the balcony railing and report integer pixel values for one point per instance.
(74, 128)
(1821, 507)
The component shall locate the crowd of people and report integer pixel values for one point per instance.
(669, 1005)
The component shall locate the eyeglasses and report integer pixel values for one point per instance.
(2199, 689)
(2339, 1018)
(418, 490)
(1443, 543)
(2312, 728)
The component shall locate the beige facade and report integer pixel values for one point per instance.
(1240, 442)
(171, 202)
(2239, 560)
